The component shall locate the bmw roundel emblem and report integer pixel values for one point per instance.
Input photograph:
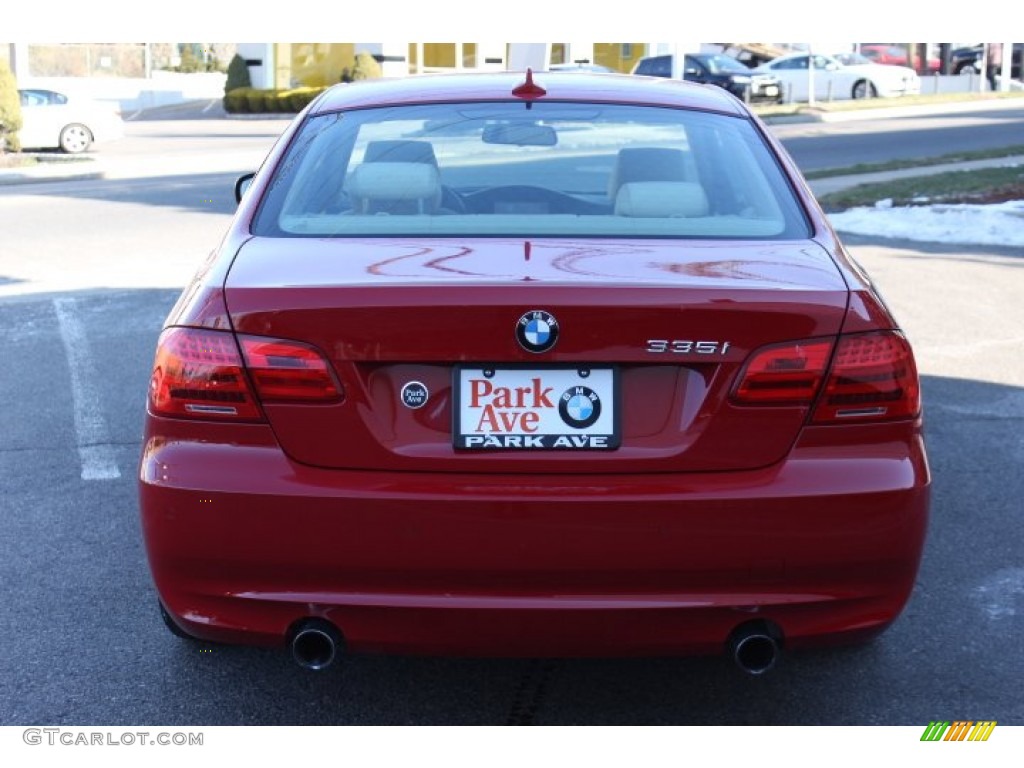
(537, 331)
(579, 407)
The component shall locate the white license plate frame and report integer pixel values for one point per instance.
(507, 407)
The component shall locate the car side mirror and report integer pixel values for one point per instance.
(691, 71)
(242, 185)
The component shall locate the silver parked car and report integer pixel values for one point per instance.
(52, 120)
(834, 79)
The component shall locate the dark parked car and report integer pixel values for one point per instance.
(716, 69)
(967, 61)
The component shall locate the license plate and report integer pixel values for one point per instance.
(537, 408)
(771, 90)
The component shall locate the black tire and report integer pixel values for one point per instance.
(175, 629)
(864, 89)
(75, 138)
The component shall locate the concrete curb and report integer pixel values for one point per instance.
(65, 170)
(882, 113)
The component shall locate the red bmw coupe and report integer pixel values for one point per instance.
(573, 366)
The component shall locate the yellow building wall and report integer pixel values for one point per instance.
(619, 56)
(311, 64)
(319, 64)
(439, 55)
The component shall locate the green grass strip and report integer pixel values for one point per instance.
(954, 186)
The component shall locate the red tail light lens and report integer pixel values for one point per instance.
(873, 377)
(784, 374)
(286, 371)
(198, 374)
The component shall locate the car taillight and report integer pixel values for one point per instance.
(784, 374)
(287, 371)
(872, 377)
(198, 373)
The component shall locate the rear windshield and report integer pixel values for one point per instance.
(527, 170)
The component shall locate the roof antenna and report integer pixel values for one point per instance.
(528, 89)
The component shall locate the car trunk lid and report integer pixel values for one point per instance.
(663, 327)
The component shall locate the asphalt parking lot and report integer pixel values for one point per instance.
(87, 274)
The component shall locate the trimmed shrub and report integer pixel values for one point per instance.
(237, 101)
(257, 100)
(366, 68)
(10, 110)
(269, 101)
(296, 99)
(302, 96)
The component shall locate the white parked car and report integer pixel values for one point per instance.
(55, 120)
(833, 79)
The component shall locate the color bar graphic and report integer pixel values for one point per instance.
(958, 730)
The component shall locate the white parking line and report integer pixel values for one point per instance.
(94, 451)
(209, 106)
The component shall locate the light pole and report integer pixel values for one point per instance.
(810, 77)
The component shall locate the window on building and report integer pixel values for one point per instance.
(439, 56)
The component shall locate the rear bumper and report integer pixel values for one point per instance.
(243, 543)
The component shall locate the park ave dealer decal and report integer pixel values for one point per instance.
(536, 408)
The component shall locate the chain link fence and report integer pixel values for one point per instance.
(126, 59)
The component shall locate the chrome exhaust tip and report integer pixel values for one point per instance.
(315, 644)
(755, 647)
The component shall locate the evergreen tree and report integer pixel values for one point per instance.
(238, 75)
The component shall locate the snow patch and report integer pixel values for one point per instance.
(1002, 595)
(999, 224)
(1009, 406)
